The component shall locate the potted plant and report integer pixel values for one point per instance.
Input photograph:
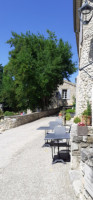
(71, 111)
(68, 116)
(82, 129)
(77, 120)
(86, 115)
(60, 113)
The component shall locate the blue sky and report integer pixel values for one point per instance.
(36, 16)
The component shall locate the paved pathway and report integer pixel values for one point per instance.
(26, 170)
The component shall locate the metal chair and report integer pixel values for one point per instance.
(60, 130)
(68, 128)
(53, 124)
(59, 121)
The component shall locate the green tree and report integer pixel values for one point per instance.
(37, 65)
(7, 95)
(1, 80)
(1, 75)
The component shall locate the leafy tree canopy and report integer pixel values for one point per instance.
(1, 75)
(37, 65)
(1, 78)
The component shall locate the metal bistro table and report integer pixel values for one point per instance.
(46, 128)
(56, 142)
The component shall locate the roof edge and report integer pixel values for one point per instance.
(70, 83)
(76, 4)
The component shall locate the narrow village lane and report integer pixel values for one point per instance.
(26, 170)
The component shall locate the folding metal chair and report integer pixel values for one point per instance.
(59, 121)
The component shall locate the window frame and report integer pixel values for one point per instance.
(64, 94)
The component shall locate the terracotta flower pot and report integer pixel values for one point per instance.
(60, 115)
(86, 119)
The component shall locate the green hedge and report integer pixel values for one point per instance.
(70, 111)
(8, 113)
(68, 116)
(1, 113)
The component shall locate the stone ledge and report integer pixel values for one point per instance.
(17, 120)
(75, 178)
(87, 156)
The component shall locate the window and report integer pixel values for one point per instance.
(64, 94)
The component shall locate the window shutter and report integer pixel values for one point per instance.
(68, 94)
(60, 91)
(60, 94)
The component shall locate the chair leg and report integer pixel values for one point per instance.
(52, 152)
(54, 149)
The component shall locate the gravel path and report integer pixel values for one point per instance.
(26, 170)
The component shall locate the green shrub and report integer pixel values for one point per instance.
(70, 111)
(74, 101)
(1, 113)
(68, 116)
(77, 120)
(87, 112)
(8, 113)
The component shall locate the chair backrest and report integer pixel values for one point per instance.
(59, 130)
(68, 128)
(60, 121)
(53, 124)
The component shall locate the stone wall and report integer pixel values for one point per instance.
(14, 121)
(84, 81)
(82, 146)
(87, 171)
(82, 163)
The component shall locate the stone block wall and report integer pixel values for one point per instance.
(82, 163)
(87, 171)
(84, 81)
(14, 121)
(82, 146)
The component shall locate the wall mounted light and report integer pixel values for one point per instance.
(85, 12)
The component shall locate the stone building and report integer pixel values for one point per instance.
(81, 143)
(84, 39)
(65, 94)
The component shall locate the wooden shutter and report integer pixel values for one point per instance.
(68, 94)
(60, 93)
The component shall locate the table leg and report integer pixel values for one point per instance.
(58, 159)
(68, 144)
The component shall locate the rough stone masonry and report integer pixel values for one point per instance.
(84, 81)
(82, 163)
